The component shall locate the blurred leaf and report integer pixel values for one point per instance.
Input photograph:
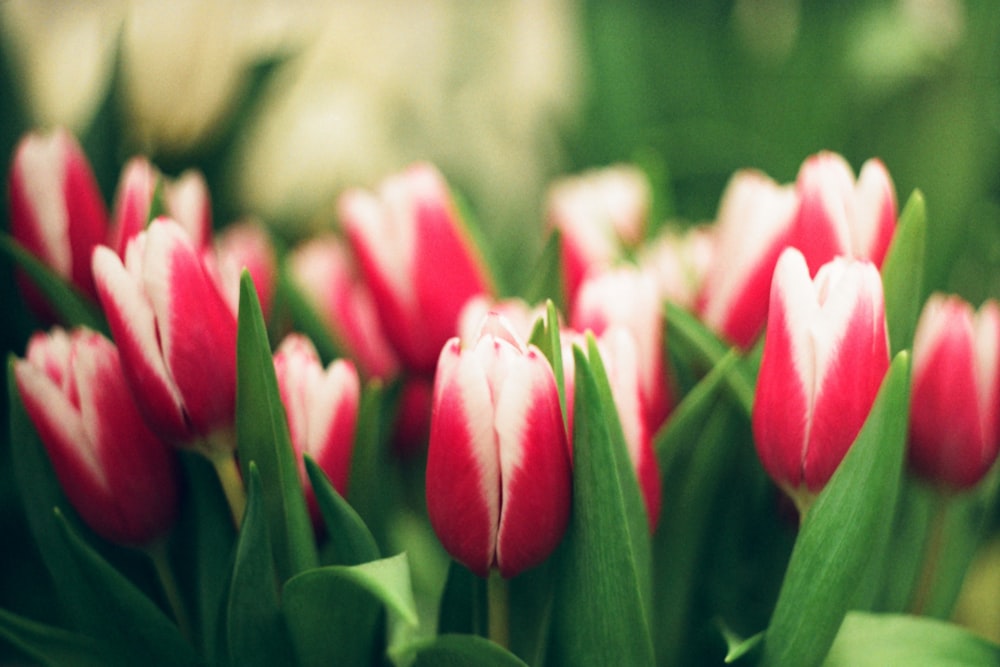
(351, 541)
(333, 612)
(548, 339)
(738, 647)
(373, 488)
(306, 319)
(463, 608)
(603, 565)
(462, 651)
(52, 647)
(262, 437)
(903, 272)
(547, 277)
(70, 304)
(876, 640)
(255, 628)
(847, 524)
(531, 598)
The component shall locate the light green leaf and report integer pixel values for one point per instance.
(874, 640)
(262, 436)
(463, 651)
(903, 273)
(843, 532)
(351, 541)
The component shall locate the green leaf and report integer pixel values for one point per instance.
(351, 541)
(903, 273)
(262, 436)
(736, 646)
(891, 639)
(52, 647)
(463, 651)
(254, 626)
(69, 303)
(603, 565)
(545, 335)
(333, 611)
(463, 608)
(374, 486)
(547, 278)
(306, 319)
(848, 523)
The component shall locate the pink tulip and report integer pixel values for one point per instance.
(598, 213)
(955, 402)
(840, 216)
(176, 332)
(519, 315)
(119, 476)
(417, 260)
(247, 245)
(678, 263)
(498, 468)
(324, 272)
(620, 356)
(753, 226)
(825, 353)
(56, 209)
(322, 409)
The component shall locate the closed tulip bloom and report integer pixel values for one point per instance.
(247, 245)
(120, 477)
(679, 262)
(753, 226)
(825, 354)
(416, 258)
(56, 209)
(839, 215)
(955, 401)
(322, 409)
(176, 332)
(499, 481)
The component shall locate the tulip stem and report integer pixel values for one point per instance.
(499, 612)
(160, 556)
(932, 557)
(232, 485)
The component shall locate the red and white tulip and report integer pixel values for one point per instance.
(247, 245)
(499, 479)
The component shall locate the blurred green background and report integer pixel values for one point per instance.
(284, 104)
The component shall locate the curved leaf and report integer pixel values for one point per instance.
(53, 647)
(351, 541)
(463, 651)
(903, 273)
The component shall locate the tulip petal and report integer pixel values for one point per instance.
(826, 209)
(875, 221)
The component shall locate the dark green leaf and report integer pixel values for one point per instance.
(262, 436)
(53, 647)
(333, 612)
(876, 640)
(350, 540)
(463, 651)
(374, 487)
(843, 533)
(463, 608)
(531, 598)
(254, 625)
(603, 566)
(903, 273)
(70, 304)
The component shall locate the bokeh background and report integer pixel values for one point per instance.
(284, 103)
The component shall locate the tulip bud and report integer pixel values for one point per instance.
(247, 245)
(825, 353)
(119, 476)
(417, 260)
(955, 402)
(56, 209)
(519, 316)
(620, 355)
(499, 480)
(598, 213)
(753, 226)
(679, 262)
(322, 409)
(176, 332)
(324, 272)
(840, 216)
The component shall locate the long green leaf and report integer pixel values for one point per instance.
(847, 525)
(71, 305)
(903, 273)
(873, 640)
(547, 278)
(350, 540)
(262, 436)
(53, 647)
(255, 628)
(333, 612)
(601, 591)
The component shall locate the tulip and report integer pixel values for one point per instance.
(499, 478)
(598, 213)
(679, 262)
(753, 226)
(417, 260)
(121, 478)
(825, 353)
(620, 356)
(519, 315)
(322, 410)
(324, 272)
(247, 245)
(955, 401)
(56, 209)
(176, 332)
(840, 216)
